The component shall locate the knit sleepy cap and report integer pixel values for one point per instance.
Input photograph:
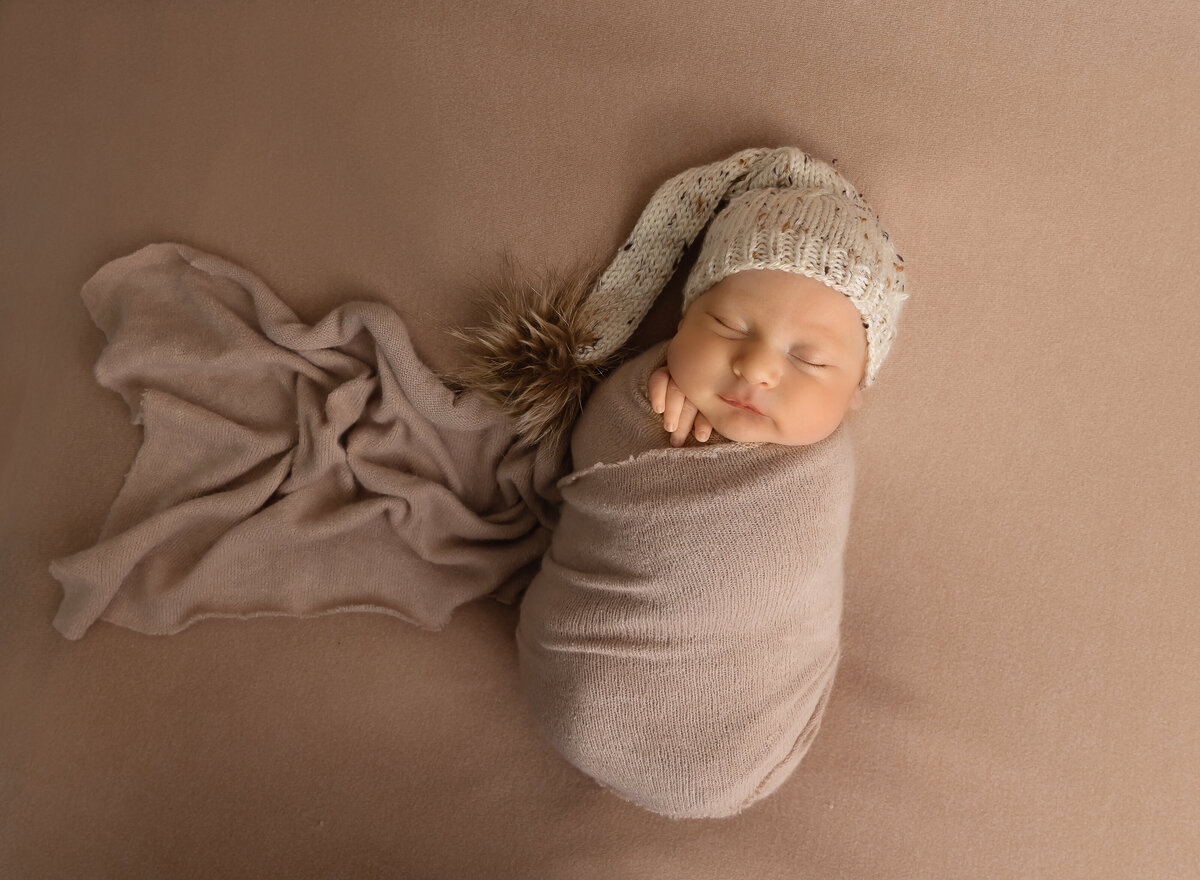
(770, 209)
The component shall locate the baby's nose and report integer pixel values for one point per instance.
(758, 366)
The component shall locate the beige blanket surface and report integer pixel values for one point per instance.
(680, 641)
(288, 469)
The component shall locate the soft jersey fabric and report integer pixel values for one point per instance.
(292, 470)
(680, 642)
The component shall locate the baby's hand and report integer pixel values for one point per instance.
(679, 413)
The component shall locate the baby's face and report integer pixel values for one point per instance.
(757, 337)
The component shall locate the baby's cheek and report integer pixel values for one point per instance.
(712, 410)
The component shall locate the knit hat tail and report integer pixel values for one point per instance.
(546, 346)
(677, 212)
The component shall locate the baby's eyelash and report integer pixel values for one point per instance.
(735, 330)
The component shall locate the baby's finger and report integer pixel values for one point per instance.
(658, 389)
(674, 406)
(703, 428)
(687, 416)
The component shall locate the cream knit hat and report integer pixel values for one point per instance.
(548, 344)
(774, 209)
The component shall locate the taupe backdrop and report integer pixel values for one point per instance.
(1020, 690)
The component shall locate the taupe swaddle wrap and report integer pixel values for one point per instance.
(680, 641)
(288, 469)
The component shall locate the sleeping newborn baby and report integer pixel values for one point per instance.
(680, 640)
(763, 356)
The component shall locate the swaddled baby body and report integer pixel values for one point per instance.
(680, 641)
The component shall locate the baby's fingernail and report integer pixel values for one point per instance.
(670, 426)
(702, 438)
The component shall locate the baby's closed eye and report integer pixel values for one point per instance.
(727, 326)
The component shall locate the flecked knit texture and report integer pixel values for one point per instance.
(770, 209)
(680, 641)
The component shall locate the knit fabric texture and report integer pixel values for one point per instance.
(680, 641)
(770, 209)
(292, 470)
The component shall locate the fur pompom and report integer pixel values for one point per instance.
(525, 358)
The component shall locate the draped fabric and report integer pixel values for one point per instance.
(289, 469)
